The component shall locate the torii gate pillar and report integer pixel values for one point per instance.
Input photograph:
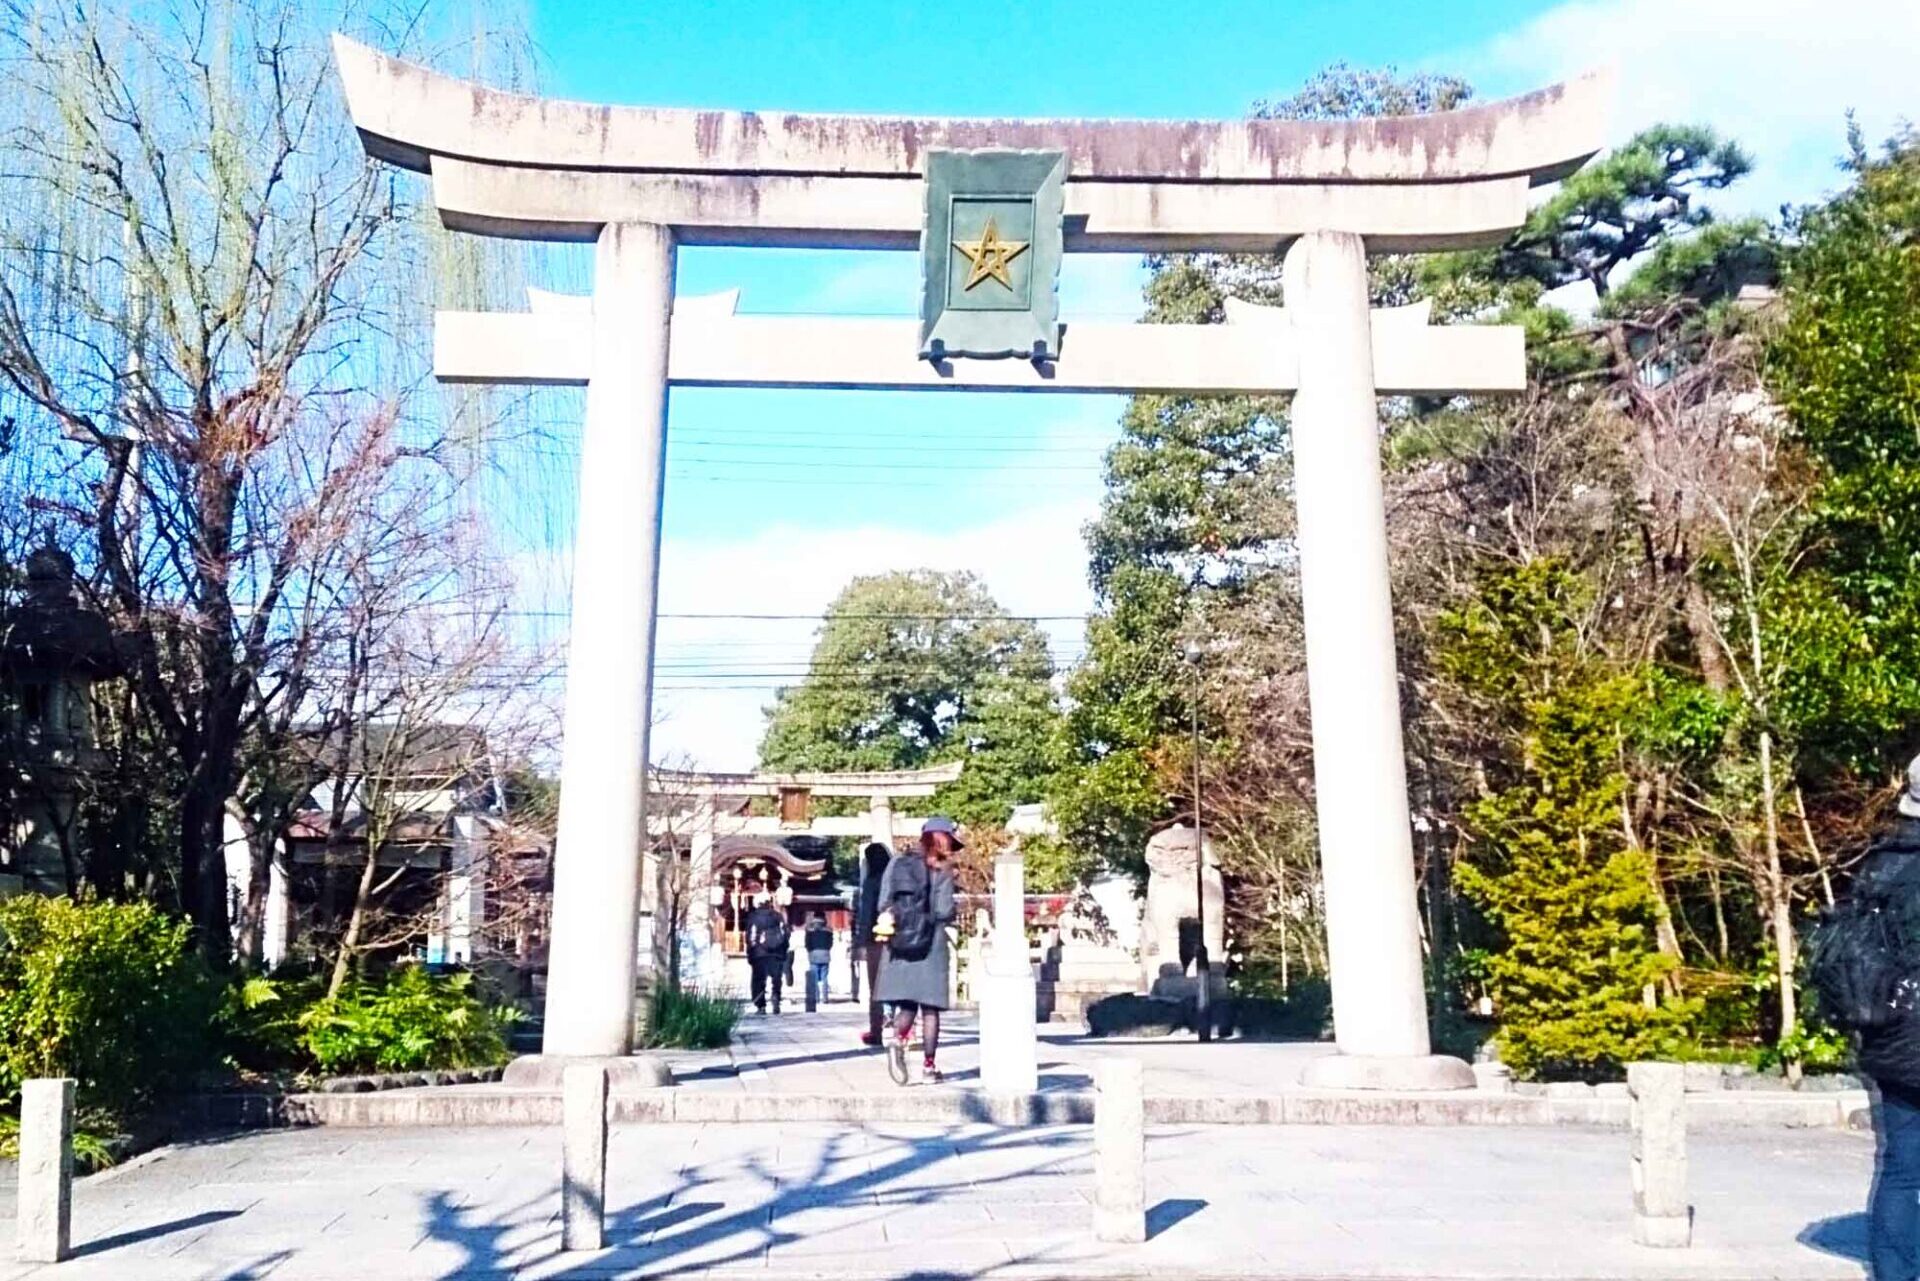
(1359, 765)
(598, 852)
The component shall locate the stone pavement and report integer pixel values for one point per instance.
(800, 1053)
(966, 1201)
(811, 1067)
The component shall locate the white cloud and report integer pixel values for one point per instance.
(1778, 75)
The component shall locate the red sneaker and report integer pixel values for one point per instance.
(869, 1040)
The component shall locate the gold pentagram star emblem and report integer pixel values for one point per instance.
(989, 256)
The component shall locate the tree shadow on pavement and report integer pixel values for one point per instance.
(687, 1229)
(259, 1268)
(948, 1041)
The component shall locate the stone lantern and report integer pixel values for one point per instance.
(53, 648)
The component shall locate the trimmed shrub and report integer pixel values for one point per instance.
(686, 1020)
(111, 994)
(408, 1021)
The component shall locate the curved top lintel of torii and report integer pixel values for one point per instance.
(408, 114)
(863, 783)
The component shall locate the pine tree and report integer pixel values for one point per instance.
(1576, 970)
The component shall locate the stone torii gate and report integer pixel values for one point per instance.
(708, 801)
(637, 181)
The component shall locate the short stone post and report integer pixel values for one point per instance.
(583, 1157)
(1120, 1152)
(1009, 1053)
(46, 1169)
(1661, 1215)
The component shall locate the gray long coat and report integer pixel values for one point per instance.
(925, 981)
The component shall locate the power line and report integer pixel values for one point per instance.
(873, 447)
(884, 465)
(901, 616)
(845, 482)
(569, 439)
(898, 617)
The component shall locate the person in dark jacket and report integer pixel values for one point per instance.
(919, 986)
(866, 952)
(819, 944)
(767, 937)
(1890, 1055)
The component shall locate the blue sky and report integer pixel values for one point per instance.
(776, 498)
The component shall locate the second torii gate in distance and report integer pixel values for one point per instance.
(704, 806)
(638, 181)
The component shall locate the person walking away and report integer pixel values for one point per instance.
(866, 950)
(1866, 968)
(819, 942)
(916, 905)
(767, 937)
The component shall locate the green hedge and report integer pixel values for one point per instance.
(408, 1021)
(111, 994)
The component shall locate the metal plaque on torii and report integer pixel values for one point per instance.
(990, 251)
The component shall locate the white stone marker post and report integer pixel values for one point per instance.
(1359, 765)
(609, 700)
(46, 1169)
(1120, 1151)
(1661, 1215)
(1009, 1055)
(583, 1157)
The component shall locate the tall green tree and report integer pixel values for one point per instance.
(1846, 365)
(915, 668)
(1197, 509)
(1575, 957)
(1630, 201)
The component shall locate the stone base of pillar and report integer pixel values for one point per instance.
(1663, 1232)
(625, 1074)
(1009, 1056)
(1388, 1072)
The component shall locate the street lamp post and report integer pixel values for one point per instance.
(1202, 970)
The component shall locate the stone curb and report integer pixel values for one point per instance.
(474, 1107)
(746, 1065)
(406, 1080)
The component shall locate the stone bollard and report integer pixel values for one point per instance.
(1120, 1152)
(1009, 1051)
(1661, 1216)
(46, 1169)
(583, 1157)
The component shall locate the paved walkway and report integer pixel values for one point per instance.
(848, 1203)
(820, 1053)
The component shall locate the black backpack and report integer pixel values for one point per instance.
(912, 907)
(1864, 958)
(766, 934)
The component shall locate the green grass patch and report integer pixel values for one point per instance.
(688, 1020)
